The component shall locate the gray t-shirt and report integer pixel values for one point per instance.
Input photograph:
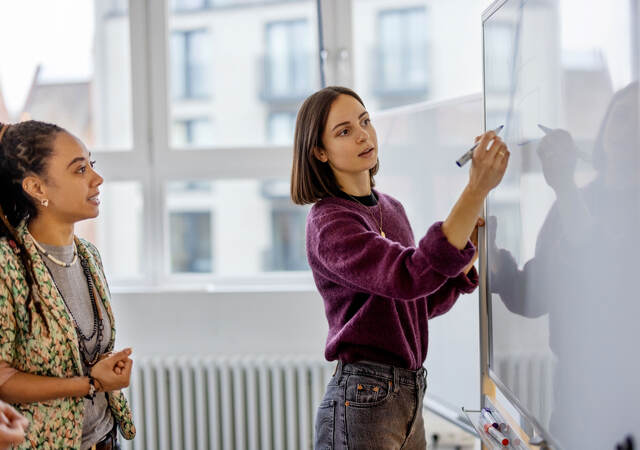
(72, 283)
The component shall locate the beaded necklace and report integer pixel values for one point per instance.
(89, 358)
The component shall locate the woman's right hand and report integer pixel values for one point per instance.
(489, 163)
(110, 373)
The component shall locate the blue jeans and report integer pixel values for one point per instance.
(372, 406)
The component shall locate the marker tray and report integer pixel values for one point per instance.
(475, 419)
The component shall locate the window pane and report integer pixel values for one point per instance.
(185, 5)
(237, 67)
(117, 231)
(418, 51)
(190, 241)
(70, 65)
(281, 127)
(235, 227)
(192, 132)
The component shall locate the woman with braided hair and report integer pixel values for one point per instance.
(56, 325)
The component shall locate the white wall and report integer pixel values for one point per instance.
(179, 323)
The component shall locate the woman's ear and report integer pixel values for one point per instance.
(35, 188)
(320, 154)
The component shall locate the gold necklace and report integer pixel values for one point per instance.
(374, 217)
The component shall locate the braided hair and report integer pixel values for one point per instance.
(25, 149)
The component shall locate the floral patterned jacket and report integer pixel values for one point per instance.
(57, 423)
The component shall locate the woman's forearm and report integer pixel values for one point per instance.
(463, 217)
(28, 388)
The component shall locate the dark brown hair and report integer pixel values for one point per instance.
(312, 179)
(25, 149)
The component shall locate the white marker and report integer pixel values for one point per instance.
(486, 414)
(504, 427)
(469, 154)
(496, 434)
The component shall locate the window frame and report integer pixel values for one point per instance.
(154, 162)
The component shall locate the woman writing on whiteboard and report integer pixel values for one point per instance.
(379, 288)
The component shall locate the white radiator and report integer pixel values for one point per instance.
(530, 377)
(226, 403)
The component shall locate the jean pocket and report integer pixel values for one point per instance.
(367, 391)
(325, 425)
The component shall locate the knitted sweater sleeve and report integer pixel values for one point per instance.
(342, 249)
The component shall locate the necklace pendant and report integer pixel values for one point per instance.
(382, 233)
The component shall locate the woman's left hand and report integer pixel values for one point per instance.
(120, 365)
(474, 241)
(12, 426)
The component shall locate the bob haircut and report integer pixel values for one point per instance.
(312, 179)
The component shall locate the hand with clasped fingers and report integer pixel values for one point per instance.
(12, 426)
(113, 371)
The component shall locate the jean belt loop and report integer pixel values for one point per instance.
(396, 379)
(338, 372)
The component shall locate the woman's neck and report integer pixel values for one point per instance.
(50, 232)
(357, 185)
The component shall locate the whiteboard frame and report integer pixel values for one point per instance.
(531, 426)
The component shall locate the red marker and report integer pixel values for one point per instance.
(496, 434)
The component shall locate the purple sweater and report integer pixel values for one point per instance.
(379, 292)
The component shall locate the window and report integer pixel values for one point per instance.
(189, 64)
(188, 5)
(402, 52)
(288, 61)
(192, 132)
(237, 63)
(169, 87)
(287, 250)
(72, 80)
(118, 230)
(191, 241)
(118, 7)
(256, 228)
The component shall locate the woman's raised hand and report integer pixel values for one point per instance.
(114, 371)
(490, 159)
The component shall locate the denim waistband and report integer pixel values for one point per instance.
(397, 375)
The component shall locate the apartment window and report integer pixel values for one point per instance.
(287, 67)
(260, 229)
(191, 241)
(192, 132)
(258, 57)
(288, 238)
(402, 51)
(287, 250)
(188, 5)
(118, 7)
(190, 64)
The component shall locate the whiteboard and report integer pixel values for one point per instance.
(562, 237)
